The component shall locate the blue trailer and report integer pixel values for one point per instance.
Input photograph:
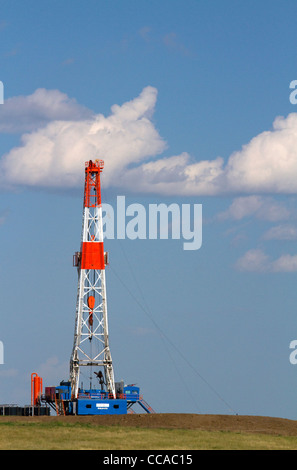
(92, 402)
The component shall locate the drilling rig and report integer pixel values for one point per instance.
(91, 356)
(91, 345)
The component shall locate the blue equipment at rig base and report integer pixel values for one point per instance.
(93, 401)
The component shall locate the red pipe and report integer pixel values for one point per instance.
(36, 389)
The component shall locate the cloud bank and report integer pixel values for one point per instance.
(59, 135)
(54, 155)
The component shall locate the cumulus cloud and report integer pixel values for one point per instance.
(268, 163)
(256, 260)
(176, 175)
(264, 208)
(28, 113)
(54, 155)
(60, 135)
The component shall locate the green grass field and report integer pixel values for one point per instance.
(47, 435)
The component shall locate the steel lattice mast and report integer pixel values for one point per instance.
(91, 344)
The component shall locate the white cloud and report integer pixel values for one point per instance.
(27, 113)
(285, 263)
(175, 175)
(268, 163)
(264, 208)
(62, 135)
(54, 155)
(281, 232)
(256, 260)
(253, 260)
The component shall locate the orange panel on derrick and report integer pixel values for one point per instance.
(92, 256)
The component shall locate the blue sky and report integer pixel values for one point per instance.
(186, 102)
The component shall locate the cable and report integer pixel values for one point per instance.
(162, 337)
(173, 345)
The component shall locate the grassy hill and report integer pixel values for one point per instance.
(148, 432)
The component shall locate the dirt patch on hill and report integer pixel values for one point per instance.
(251, 424)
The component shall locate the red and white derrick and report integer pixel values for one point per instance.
(91, 344)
